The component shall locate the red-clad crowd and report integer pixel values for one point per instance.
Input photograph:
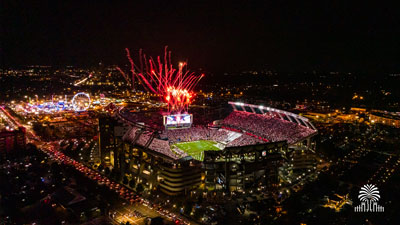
(267, 127)
(195, 134)
(239, 129)
(245, 140)
(157, 145)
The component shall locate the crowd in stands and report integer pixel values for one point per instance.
(244, 140)
(157, 145)
(179, 152)
(267, 127)
(195, 134)
(231, 137)
(239, 129)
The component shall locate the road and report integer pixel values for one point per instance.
(122, 214)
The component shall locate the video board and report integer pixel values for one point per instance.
(178, 121)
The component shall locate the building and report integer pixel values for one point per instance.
(303, 161)
(154, 170)
(148, 157)
(12, 140)
(110, 140)
(245, 167)
(131, 156)
(386, 118)
(180, 178)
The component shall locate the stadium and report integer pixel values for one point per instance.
(240, 128)
(178, 158)
(239, 152)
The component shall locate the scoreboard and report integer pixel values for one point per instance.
(178, 121)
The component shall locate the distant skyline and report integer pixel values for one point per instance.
(218, 37)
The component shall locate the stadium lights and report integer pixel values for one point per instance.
(239, 103)
(261, 107)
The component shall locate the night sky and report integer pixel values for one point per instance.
(223, 36)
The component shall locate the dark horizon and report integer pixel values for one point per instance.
(216, 37)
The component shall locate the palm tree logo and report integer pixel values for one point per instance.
(369, 197)
(369, 192)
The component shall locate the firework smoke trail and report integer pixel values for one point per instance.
(159, 76)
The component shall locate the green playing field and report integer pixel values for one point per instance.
(196, 148)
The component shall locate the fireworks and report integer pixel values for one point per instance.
(159, 76)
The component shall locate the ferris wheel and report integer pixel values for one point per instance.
(81, 102)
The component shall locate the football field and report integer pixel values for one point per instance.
(196, 148)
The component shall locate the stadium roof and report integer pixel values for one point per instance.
(259, 109)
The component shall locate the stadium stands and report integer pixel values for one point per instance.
(238, 129)
(157, 145)
(267, 127)
(195, 134)
(244, 140)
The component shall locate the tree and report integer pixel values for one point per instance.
(188, 207)
(200, 199)
(157, 221)
(132, 183)
(125, 180)
(140, 188)
(107, 171)
(100, 168)
(56, 173)
(38, 127)
(198, 213)
(31, 147)
(116, 174)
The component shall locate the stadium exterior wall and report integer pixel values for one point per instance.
(244, 168)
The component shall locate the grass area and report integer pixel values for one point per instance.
(196, 148)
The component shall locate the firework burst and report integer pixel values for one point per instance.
(159, 76)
